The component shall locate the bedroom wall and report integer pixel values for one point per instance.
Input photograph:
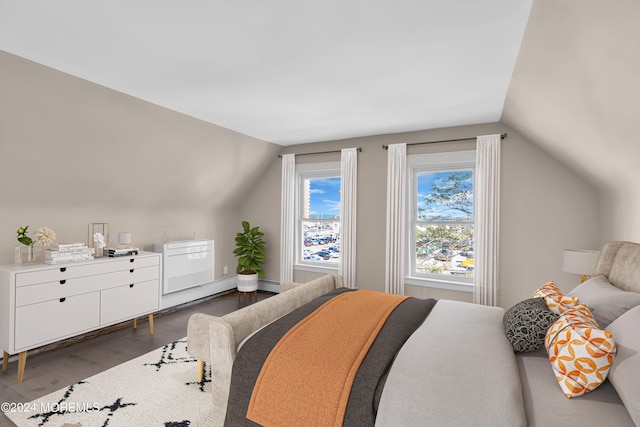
(73, 153)
(575, 92)
(544, 209)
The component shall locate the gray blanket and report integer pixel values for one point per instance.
(457, 369)
(369, 381)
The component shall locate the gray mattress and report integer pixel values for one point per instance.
(457, 369)
(546, 405)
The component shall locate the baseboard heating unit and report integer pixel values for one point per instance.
(186, 264)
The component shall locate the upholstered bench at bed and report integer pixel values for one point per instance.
(214, 339)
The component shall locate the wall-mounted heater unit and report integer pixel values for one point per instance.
(186, 264)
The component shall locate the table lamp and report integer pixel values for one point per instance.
(124, 239)
(580, 261)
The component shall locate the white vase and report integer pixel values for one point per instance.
(247, 282)
(25, 254)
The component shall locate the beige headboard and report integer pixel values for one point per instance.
(620, 263)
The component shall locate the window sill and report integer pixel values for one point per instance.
(326, 269)
(439, 284)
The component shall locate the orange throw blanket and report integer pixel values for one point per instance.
(307, 378)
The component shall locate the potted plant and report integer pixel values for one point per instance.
(250, 249)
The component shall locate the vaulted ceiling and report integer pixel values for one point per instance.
(564, 74)
(288, 71)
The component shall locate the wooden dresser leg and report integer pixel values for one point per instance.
(200, 370)
(22, 363)
(135, 323)
(151, 323)
(5, 361)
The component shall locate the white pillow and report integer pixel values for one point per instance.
(605, 301)
(624, 374)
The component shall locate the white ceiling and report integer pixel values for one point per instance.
(286, 71)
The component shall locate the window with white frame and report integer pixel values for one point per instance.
(318, 214)
(441, 222)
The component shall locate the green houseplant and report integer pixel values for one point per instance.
(250, 250)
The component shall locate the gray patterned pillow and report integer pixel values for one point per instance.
(527, 323)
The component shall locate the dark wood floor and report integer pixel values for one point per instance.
(54, 369)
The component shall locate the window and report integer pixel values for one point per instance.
(318, 215)
(441, 223)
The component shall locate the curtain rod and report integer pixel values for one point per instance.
(321, 152)
(502, 136)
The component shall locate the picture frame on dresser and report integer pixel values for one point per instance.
(74, 298)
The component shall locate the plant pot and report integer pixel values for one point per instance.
(247, 282)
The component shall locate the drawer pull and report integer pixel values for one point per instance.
(131, 260)
(63, 299)
(63, 269)
(62, 282)
(131, 271)
(131, 285)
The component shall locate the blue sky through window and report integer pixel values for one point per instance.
(426, 182)
(324, 194)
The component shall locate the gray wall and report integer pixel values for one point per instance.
(575, 92)
(73, 153)
(544, 209)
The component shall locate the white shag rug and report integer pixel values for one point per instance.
(159, 388)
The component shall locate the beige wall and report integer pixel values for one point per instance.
(63, 141)
(575, 92)
(73, 153)
(545, 208)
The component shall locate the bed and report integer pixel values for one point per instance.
(432, 362)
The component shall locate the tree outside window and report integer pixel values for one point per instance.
(442, 219)
(444, 229)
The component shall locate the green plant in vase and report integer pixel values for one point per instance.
(22, 236)
(250, 250)
(43, 237)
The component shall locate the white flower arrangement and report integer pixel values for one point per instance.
(45, 236)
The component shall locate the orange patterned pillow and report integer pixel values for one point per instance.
(556, 302)
(579, 351)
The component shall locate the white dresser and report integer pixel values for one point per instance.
(41, 304)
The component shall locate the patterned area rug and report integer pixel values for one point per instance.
(156, 389)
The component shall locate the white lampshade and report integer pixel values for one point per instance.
(580, 261)
(124, 238)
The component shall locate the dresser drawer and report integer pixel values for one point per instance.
(38, 324)
(127, 302)
(69, 287)
(92, 268)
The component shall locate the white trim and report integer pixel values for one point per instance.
(434, 162)
(316, 269)
(443, 161)
(321, 168)
(269, 285)
(306, 171)
(439, 284)
(197, 292)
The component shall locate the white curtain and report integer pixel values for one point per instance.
(287, 217)
(487, 220)
(348, 203)
(396, 184)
